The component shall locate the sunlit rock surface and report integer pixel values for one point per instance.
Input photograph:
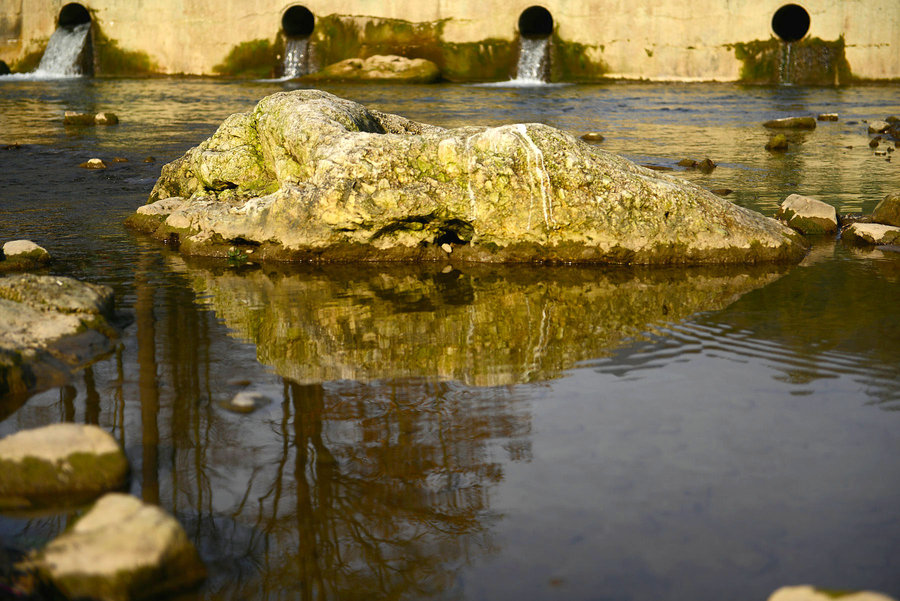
(808, 215)
(49, 325)
(309, 176)
(58, 465)
(888, 210)
(22, 255)
(482, 326)
(121, 550)
(872, 233)
(379, 68)
(809, 593)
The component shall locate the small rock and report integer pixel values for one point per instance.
(721, 191)
(446, 248)
(592, 136)
(25, 251)
(150, 159)
(878, 127)
(121, 550)
(809, 593)
(827, 117)
(872, 233)
(106, 119)
(888, 210)
(688, 163)
(120, 160)
(808, 215)
(881, 153)
(73, 118)
(93, 164)
(791, 123)
(59, 465)
(892, 119)
(247, 401)
(777, 142)
(706, 165)
(873, 143)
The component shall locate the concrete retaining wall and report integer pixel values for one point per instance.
(679, 40)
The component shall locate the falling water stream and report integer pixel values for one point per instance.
(62, 58)
(296, 57)
(532, 66)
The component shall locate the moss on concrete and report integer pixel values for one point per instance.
(254, 59)
(110, 59)
(569, 61)
(487, 60)
(811, 61)
(32, 58)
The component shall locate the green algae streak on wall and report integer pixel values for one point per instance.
(668, 40)
(810, 61)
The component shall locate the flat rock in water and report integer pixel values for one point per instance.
(888, 210)
(878, 127)
(58, 466)
(21, 255)
(827, 117)
(872, 233)
(121, 550)
(308, 176)
(791, 123)
(809, 593)
(808, 215)
(379, 68)
(48, 326)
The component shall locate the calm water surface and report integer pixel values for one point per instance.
(488, 432)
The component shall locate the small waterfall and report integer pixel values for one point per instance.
(533, 53)
(296, 58)
(64, 56)
(784, 69)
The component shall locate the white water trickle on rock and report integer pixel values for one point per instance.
(296, 57)
(532, 59)
(540, 171)
(63, 53)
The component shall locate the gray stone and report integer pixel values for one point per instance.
(878, 126)
(48, 326)
(791, 123)
(379, 68)
(59, 465)
(872, 233)
(809, 593)
(888, 210)
(121, 550)
(309, 176)
(808, 215)
(22, 255)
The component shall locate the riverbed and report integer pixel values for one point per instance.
(488, 432)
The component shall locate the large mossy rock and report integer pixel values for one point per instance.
(121, 550)
(59, 466)
(387, 68)
(309, 176)
(888, 210)
(50, 325)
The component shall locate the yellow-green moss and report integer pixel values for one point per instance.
(569, 61)
(112, 60)
(32, 58)
(811, 61)
(254, 59)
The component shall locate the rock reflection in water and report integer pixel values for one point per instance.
(482, 326)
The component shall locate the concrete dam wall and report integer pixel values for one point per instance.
(766, 41)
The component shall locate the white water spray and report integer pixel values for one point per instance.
(532, 60)
(63, 53)
(296, 58)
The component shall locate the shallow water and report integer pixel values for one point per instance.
(488, 432)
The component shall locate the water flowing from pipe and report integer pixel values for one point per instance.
(532, 65)
(62, 58)
(296, 58)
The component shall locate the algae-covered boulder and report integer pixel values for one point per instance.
(58, 466)
(808, 215)
(48, 326)
(872, 233)
(121, 550)
(22, 255)
(888, 210)
(309, 176)
(379, 68)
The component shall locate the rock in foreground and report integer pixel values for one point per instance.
(312, 177)
(121, 550)
(58, 466)
(49, 325)
(379, 68)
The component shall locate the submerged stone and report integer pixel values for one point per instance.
(808, 215)
(379, 68)
(827, 117)
(48, 326)
(888, 210)
(74, 118)
(778, 142)
(121, 550)
(309, 176)
(791, 123)
(59, 465)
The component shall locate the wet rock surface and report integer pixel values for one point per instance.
(791, 123)
(808, 215)
(308, 176)
(50, 325)
(872, 233)
(809, 593)
(121, 550)
(379, 68)
(58, 466)
(74, 118)
(888, 210)
(22, 255)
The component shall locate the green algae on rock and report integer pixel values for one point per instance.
(58, 466)
(308, 176)
(387, 68)
(121, 549)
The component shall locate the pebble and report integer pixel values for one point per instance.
(93, 164)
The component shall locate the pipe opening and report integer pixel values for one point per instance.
(73, 14)
(298, 22)
(790, 22)
(535, 21)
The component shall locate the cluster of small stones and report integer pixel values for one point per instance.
(884, 131)
(814, 217)
(120, 549)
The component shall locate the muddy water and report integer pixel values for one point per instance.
(488, 432)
